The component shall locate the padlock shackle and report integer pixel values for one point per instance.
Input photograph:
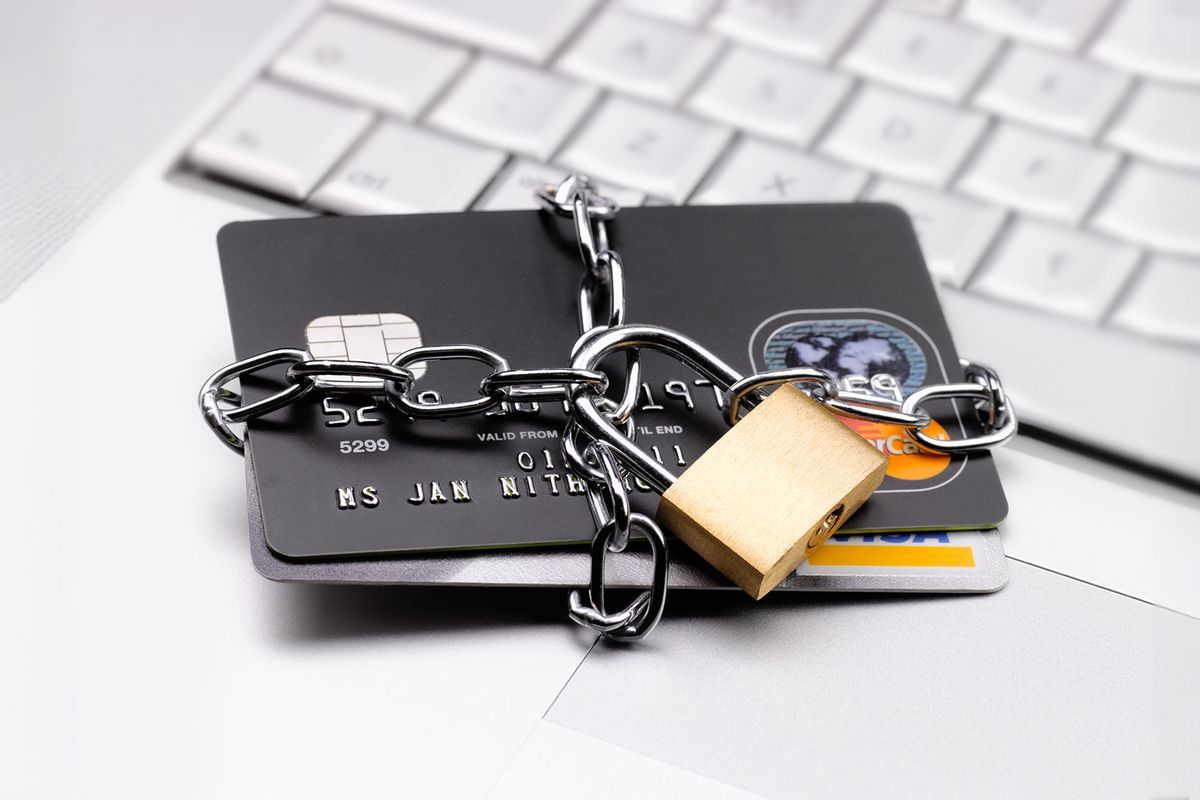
(595, 346)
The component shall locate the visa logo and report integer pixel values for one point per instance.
(895, 538)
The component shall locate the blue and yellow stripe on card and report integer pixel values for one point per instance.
(892, 550)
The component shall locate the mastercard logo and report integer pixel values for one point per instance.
(906, 460)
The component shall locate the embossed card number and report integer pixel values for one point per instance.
(363, 446)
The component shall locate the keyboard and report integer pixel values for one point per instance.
(1047, 151)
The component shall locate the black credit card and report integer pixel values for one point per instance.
(841, 287)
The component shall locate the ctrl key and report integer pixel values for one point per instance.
(1165, 301)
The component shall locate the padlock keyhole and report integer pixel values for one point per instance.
(827, 527)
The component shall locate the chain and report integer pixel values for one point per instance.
(598, 442)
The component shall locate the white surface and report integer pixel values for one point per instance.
(399, 169)
(641, 55)
(904, 136)
(559, 762)
(512, 106)
(1102, 526)
(254, 140)
(369, 63)
(1048, 688)
(921, 53)
(86, 89)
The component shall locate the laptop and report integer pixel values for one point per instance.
(1046, 153)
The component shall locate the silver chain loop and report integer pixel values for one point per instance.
(640, 617)
(993, 413)
(529, 385)
(609, 498)
(985, 402)
(598, 441)
(320, 371)
(446, 352)
(748, 392)
(211, 397)
(602, 307)
(576, 456)
(984, 388)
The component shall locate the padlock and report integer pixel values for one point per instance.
(776, 486)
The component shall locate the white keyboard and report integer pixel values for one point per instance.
(1048, 151)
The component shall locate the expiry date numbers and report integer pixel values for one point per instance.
(350, 446)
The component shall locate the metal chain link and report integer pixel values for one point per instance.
(602, 307)
(539, 385)
(984, 388)
(598, 442)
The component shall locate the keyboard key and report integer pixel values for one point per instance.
(1058, 269)
(640, 55)
(528, 29)
(771, 95)
(759, 172)
(921, 53)
(651, 148)
(514, 190)
(954, 232)
(1160, 123)
(811, 29)
(939, 8)
(513, 107)
(1156, 38)
(369, 63)
(1160, 207)
(1163, 301)
(400, 169)
(278, 139)
(1057, 23)
(689, 12)
(1051, 90)
(1039, 173)
(904, 136)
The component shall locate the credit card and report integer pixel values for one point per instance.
(842, 287)
(927, 562)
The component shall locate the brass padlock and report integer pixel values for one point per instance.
(772, 489)
(768, 492)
